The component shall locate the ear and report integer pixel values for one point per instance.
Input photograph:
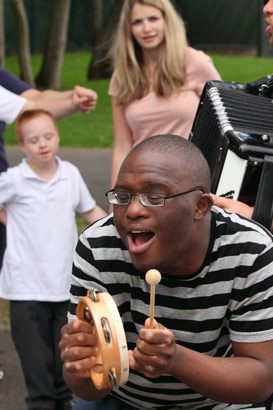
(203, 206)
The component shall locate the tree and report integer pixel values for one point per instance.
(23, 41)
(50, 73)
(2, 34)
(101, 35)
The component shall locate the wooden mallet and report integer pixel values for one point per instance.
(152, 277)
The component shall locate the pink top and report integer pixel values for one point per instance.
(153, 115)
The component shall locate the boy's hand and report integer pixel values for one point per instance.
(3, 215)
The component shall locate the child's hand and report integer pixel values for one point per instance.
(3, 216)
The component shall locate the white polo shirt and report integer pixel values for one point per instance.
(10, 105)
(41, 231)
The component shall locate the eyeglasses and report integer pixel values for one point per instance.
(146, 199)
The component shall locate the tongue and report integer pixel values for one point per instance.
(141, 238)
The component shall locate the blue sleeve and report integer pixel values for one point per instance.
(17, 86)
(12, 83)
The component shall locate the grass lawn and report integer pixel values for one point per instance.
(95, 130)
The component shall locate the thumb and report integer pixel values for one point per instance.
(147, 324)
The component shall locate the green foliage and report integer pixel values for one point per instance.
(95, 130)
(4, 313)
(78, 130)
(242, 68)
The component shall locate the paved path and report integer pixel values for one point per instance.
(94, 166)
(12, 387)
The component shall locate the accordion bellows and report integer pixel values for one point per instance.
(233, 128)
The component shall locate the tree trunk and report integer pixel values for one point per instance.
(23, 41)
(50, 73)
(99, 67)
(2, 35)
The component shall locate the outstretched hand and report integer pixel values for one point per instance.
(155, 351)
(84, 99)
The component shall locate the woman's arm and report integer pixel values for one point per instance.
(122, 139)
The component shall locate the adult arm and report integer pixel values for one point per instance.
(208, 70)
(10, 105)
(200, 70)
(122, 139)
(62, 103)
(245, 378)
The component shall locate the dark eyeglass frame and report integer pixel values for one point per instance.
(164, 197)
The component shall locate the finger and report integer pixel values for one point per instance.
(147, 323)
(148, 370)
(156, 336)
(76, 326)
(79, 339)
(75, 353)
(86, 92)
(80, 367)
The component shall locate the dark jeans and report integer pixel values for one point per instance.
(108, 403)
(35, 330)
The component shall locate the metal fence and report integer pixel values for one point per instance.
(217, 25)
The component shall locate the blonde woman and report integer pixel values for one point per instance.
(157, 79)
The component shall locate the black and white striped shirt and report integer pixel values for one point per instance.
(230, 298)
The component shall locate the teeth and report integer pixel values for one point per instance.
(139, 231)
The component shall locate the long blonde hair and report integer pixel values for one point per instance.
(128, 59)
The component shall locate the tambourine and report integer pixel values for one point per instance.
(112, 361)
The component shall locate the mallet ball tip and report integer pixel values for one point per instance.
(153, 277)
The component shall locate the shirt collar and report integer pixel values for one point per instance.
(29, 173)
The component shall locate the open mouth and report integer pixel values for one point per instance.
(139, 241)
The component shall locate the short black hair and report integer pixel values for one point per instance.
(188, 153)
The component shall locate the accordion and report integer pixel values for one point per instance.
(233, 128)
